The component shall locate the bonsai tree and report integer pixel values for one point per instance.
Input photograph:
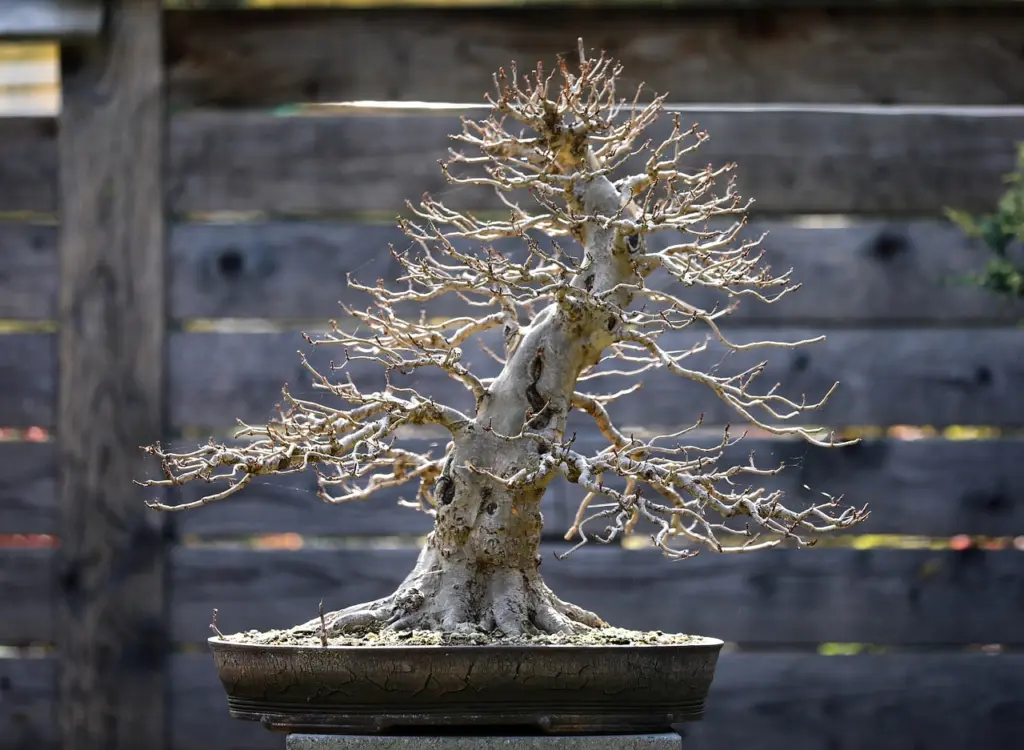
(552, 151)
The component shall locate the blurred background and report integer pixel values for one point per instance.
(184, 189)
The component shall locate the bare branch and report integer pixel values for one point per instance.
(309, 436)
(568, 159)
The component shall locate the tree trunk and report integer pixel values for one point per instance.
(479, 569)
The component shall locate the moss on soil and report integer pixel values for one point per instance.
(602, 637)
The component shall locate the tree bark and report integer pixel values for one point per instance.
(480, 567)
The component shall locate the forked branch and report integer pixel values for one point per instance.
(569, 160)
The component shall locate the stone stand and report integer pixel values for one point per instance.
(670, 741)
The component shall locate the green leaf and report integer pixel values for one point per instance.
(964, 220)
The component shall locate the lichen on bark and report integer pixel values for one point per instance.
(479, 571)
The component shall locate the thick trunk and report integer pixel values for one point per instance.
(480, 567)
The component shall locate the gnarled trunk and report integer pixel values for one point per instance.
(480, 567)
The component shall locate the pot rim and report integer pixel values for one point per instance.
(700, 643)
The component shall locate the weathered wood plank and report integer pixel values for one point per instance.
(264, 59)
(906, 376)
(792, 159)
(28, 488)
(28, 271)
(936, 488)
(778, 701)
(110, 564)
(28, 704)
(781, 701)
(25, 576)
(893, 702)
(935, 377)
(922, 488)
(774, 597)
(810, 160)
(50, 19)
(785, 701)
(871, 272)
(28, 164)
(919, 487)
(199, 711)
(28, 379)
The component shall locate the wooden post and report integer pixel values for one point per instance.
(110, 600)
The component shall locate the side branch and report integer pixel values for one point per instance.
(340, 445)
(688, 477)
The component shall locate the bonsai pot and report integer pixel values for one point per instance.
(515, 689)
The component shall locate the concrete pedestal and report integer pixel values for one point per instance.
(671, 741)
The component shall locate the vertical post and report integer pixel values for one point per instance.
(111, 619)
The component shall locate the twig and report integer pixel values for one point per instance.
(213, 625)
(550, 156)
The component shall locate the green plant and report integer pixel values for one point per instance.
(1003, 273)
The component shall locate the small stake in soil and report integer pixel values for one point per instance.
(213, 625)
(323, 626)
(615, 224)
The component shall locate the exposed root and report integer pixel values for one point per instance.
(504, 603)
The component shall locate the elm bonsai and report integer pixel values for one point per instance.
(567, 159)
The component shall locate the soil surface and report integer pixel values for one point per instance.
(392, 638)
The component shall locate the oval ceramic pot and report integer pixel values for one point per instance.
(524, 689)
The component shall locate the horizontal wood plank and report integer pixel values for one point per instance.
(871, 272)
(935, 377)
(780, 701)
(50, 19)
(28, 271)
(777, 701)
(865, 273)
(28, 164)
(812, 596)
(28, 478)
(199, 711)
(922, 488)
(887, 596)
(25, 577)
(908, 376)
(790, 160)
(932, 488)
(442, 55)
(783, 701)
(28, 379)
(801, 702)
(28, 704)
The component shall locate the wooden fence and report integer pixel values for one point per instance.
(167, 234)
